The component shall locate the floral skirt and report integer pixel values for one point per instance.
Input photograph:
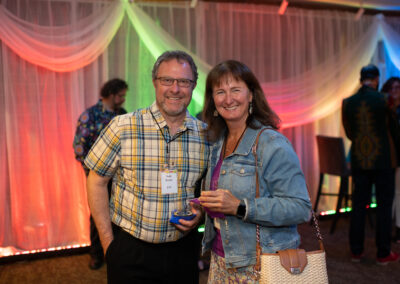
(218, 274)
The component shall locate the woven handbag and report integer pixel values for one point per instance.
(291, 265)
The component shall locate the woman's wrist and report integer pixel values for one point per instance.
(241, 210)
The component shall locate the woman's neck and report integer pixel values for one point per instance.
(235, 130)
(233, 138)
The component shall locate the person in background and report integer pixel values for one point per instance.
(158, 156)
(236, 111)
(90, 123)
(369, 125)
(392, 88)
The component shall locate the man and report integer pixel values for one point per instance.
(368, 124)
(90, 124)
(157, 156)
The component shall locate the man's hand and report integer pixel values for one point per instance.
(105, 242)
(188, 225)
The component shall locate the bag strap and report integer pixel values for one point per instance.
(258, 248)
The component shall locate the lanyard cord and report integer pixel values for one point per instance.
(165, 139)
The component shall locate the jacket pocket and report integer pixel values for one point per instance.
(242, 181)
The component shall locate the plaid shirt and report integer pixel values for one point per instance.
(133, 150)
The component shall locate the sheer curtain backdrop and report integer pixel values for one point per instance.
(55, 55)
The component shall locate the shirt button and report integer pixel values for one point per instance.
(223, 172)
(242, 171)
(226, 241)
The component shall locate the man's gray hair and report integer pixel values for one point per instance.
(179, 56)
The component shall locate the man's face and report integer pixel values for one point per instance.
(173, 100)
(118, 99)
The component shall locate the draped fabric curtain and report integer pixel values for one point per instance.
(55, 54)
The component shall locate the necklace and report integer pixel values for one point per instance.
(236, 145)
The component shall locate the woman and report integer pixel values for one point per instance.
(236, 110)
(392, 87)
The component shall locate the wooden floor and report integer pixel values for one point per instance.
(74, 268)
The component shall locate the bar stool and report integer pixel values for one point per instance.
(332, 161)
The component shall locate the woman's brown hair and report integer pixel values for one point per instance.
(240, 72)
(386, 88)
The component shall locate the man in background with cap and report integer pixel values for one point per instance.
(370, 127)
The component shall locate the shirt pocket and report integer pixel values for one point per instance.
(243, 180)
(243, 170)
(128, 179)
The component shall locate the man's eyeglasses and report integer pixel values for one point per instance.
(168, 81)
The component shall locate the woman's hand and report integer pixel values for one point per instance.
(220, 200)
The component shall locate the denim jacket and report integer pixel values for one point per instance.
(283, 203)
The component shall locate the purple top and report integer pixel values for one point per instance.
(217, 244)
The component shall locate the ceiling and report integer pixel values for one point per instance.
(387, 7)
(383, 5)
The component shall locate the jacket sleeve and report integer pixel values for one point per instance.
(284, 198)
(345, 121)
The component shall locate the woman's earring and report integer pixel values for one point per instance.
(251, 108)
(215, 113)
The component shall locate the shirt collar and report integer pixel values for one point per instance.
(188, 123)
(101, 106)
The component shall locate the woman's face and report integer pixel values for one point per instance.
(395, 92)
(232, 99)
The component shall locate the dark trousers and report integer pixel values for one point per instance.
(96, 250)
(361, 197)
(130, 260)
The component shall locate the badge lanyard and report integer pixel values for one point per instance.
(169, 173)
(165, 139)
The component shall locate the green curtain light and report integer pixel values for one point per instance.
(156, 40)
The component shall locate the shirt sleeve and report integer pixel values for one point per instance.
(104, 157)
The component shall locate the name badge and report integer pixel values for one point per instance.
(169, 180)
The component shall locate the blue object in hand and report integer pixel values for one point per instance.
(176, 217)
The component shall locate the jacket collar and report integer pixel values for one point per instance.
(245, 146)
(367, 88)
